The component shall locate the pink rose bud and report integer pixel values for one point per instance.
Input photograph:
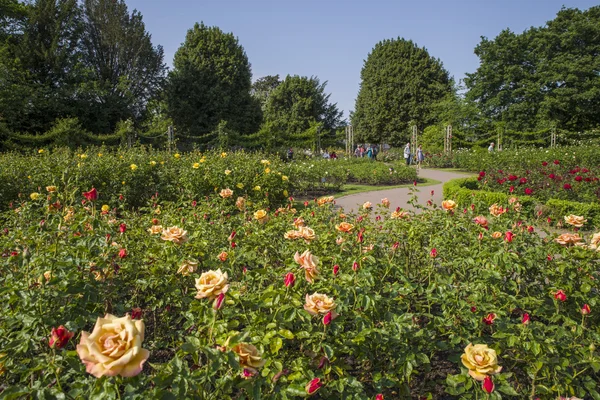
(247, 374)
(355, 266)
(472, 207)
(244, 270)
(480, 236)
(327, 318)
(233, 245)
(473, 309)
(395, 245)
(488, 384)
(432, 192)
(525, 320)
(530, 229)
(312, 213)
(560, 295)
(312, 386)
(380, 396)
(289, 280)
(121, 197)
(136, 313)
(154, 221)
(378, 218)
(585, 310)
(194, 203)
(429, 203)
(433, 253)
(489, 319)
(231, 236)
(508, 236)
(219, 301)
(549, 220)
(306, 204)
(59, 337)
(122, 228)
(123, 253)
(336, 269)
(549, 257)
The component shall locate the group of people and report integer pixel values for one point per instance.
(370, 152)
(408, 156)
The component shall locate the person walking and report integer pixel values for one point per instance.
(491, 148)
(357, 152)
(290, 154)
(420, 157)
(370, 153)
(407, 153)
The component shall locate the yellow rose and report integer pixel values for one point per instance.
(248, 356)
(265, 162)
(177, 156)
(211, 284)
(196, 166)
(284, 178)
(568, 239)
(114, 347)
(227, 172)
(100, 154)
(223, 155)
(226, 193)
(51, 189)
(35, 196)
(240, 203)
(40, 151)
(257, 188)
(285, 193)
(575, 220)
(481, 361)
(105, 208)
(83, 156)
(318, 303)
(309, 263)
(153, 163)
(497, 235)
(449, 205)
(133, 167)
(345, 227)
(497, 210)
(155, 229)
(188, 267)
(260, 215)
(385, 202)
(399, 214)
(174, 234)
(267, 170)
(202, 160)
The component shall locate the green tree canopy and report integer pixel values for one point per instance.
(297, 107)
(210, 83)
(262, 88)
(400, 84)
(543, 76)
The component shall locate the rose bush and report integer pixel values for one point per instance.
(381, 315)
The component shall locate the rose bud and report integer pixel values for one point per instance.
(322, 362)
(488, 384)
(247, 373)
(395, 245)
(433, 253)
(59, 337)
(473, 309)
(218, 303)
(530, 229)
(489, 319)
(432, 192)
(549, 257)
(312, 386)
(508, 236)
(380, 396)
(194, 203)
(123, 253)
(289, 280)
(378, 218)
(525, 320)
(327, 318)
(231, 236)
(480, 236)
(306, 204)
(121, 197)
(154, 221)
(233, 245)
(244, 269)
(585, 310)
(136, 313)
(336, 269)
(354, 266)
(560, 295)
(122, 228)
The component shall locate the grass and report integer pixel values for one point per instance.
(358, 188)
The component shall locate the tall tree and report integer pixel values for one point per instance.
(542, 77)
(262, 88)
(400, 83)
(210, 83)
(298, 104)
(124, 69)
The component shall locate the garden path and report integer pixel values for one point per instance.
(399, 197)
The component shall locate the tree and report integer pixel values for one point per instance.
(262, 88)
(211, 83)
(296, 108)
(546, 76)
(400, 83)
(124, 70)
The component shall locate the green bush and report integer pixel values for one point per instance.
(557, 209)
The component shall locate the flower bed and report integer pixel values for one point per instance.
(220, 299)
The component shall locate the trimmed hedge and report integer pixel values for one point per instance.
(464, 192)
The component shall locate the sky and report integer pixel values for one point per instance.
(330, 39)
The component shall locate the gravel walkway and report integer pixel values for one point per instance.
(399, 197)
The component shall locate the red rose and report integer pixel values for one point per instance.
(433, 253)
(289, 280)
(488, 384)
(91, 195)
(544, 163)
(567, 186)
(312, 386)
(123, 253)
(122, 228)
(560, 295)
(136, 313)
(525, 320)
(528, 191)
(585, 310)
(489, 319)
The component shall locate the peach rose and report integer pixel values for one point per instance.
(51, 189)
(481, 361)
(385, 202)
(174, 234)
(248, 356)
(345, 227)
(309, 262)
(223, 256)
(211, 284)
(188, 267)
(497, 235)
(399, 214)
(261, 216)
(575, 220)
(595, 241)
(324, 200)
(155, 229)
(240, 203)
(481, 220)
(306, 233)
(517, 207)
(114, 347)
(226, 193)
(292, 235)
(339, 240)
(298, 222)
(568, 239)
(318, 303)
(367, 205)
(512, 200)
(497, 210)
(449, 205)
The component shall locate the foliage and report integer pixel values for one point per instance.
(263, 87)
(405, 313)
(210, 83)
(546, 76)
(400, 83)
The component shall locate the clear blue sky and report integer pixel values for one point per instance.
(330, 39)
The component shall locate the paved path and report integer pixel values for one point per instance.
(400, 196)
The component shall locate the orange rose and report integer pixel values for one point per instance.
(497, 210)
(399, 214)
(155, 229)
(385, 202)
(497, 235)
(309, 262)
(345, 227)
(223, 256)
(449, 205)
